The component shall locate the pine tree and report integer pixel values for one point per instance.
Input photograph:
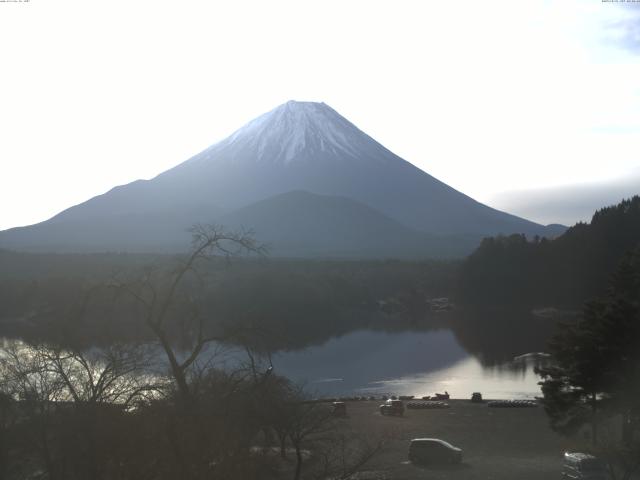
(595, 374)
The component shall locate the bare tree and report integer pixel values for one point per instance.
(26, 378)
(168, 300)
(159, 294)
(343, 455)
(71, 399)
(337, 452)
(308, 420)
(115, 375)
(8, 417)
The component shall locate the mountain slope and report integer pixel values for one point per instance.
(303, 224)
(309, 146)
(297, 146)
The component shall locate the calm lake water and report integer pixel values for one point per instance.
(404, 363)
(374, 362)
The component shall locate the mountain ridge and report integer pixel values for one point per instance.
(297, 146)
(301, 223)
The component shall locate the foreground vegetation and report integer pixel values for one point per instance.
(67, 414)
(119, 411)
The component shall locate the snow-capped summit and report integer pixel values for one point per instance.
(296, 131)
(296, 127)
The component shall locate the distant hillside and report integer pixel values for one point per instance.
(510, 270)
(302, 224)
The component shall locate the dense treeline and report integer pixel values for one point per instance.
(565, 271)
(294, 302)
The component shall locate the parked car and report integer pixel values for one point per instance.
(583, 466)
(339, 409)
(392, 407)
(433, 450)
(476, 397)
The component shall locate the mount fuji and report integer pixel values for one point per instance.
(308, 181)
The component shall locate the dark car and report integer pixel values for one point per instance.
(392, 407)
(583, 466)
(476, 397)
(433, 450)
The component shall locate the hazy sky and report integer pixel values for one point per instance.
(488, 96)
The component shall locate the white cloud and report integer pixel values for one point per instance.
(568, 204)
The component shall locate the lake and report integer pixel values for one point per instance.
(366, 362)
(460, 357)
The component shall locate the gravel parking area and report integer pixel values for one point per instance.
(497, 443)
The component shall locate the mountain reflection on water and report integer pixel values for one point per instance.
(470, 351)
(402, 363)
(460, 352)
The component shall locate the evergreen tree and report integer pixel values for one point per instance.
(596, 370)
(565, 271)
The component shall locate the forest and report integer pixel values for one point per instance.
(562, 272)
(295, 302)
